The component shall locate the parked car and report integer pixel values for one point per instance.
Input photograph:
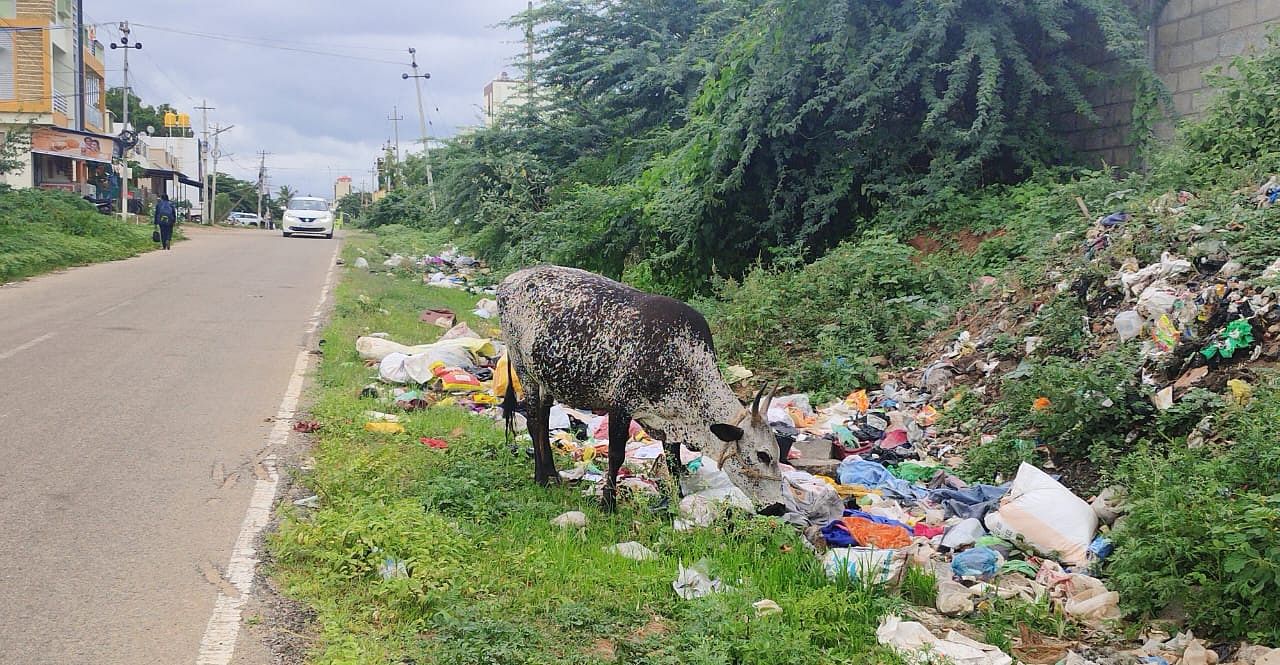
(244, 219)
(307, 216)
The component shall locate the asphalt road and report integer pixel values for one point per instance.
(133, 397)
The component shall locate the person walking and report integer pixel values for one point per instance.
(166, 217)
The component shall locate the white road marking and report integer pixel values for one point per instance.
(219, 642)
(23, 347)
(113, 308)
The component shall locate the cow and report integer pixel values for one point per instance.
(595, 344)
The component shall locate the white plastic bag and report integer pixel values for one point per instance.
(869, 564)
(1046, 515)
(1129, 324)
(914, 640)
(811, 497)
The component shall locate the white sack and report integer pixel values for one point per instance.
(1046, 515)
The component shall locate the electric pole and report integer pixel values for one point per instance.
(422, 121)
(125, 172)
(262, 181)
(217, 152)
(395, 119)
(205, 205)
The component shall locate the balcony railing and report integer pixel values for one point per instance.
(62, 103)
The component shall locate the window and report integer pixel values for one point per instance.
(6, 62)
(308, 204)
(93, 101)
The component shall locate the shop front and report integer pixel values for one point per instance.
(73, 161)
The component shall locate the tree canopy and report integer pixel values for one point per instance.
(673, 139)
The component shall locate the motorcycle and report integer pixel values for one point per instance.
(104, 206)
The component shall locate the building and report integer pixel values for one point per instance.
(52, 78)
(341, 187)
(502, 95)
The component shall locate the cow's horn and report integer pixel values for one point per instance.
(755, 404)
(768, 402)
(742, 415)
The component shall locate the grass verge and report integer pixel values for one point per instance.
(42, 231)
(486, 578)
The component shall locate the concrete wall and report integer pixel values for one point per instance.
(1190, 39)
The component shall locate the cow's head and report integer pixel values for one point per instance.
(749, 453)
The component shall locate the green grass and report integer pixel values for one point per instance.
(489, 579)
(42, 231)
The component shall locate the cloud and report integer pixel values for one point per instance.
(318, 99)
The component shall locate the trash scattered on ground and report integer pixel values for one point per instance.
(392, 568)
(312, 501)
(766, 607)
(384, 428)
(695, 582)
(573, 518)
(437, 444)
(362, 263)
(631, 550)
(306, 426)
(918, 645)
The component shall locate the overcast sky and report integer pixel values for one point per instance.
(320, 116)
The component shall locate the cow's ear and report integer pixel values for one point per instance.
(726, 433)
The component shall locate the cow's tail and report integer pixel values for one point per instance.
(509, 402)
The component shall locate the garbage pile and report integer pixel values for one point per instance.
(448, 269)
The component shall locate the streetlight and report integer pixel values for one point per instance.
(124, 187)
(422, 120)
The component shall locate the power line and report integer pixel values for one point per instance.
(261, 44)
(272, 40)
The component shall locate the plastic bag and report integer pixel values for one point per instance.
(1089, 601)
(953, 598)
(912, 637)
(979, 562)
(453, 379)
(812, 497)
(500, 374)
(631, 550)
(867, 564)
(1129, 324)
(965, 532)
(1046, 515)
(1157, 299)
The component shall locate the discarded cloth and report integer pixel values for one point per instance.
(854, 471)
(912, 638)
(860, 528)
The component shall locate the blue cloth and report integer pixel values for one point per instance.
(837, 536)
(973, 501)
(872, 475)
(980, 562)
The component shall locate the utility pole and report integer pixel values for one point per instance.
(262, 180)
(422, 121)
(217, 152)
(205, 206)
(395, 119)
(125, 171)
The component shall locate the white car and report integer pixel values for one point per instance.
(245, 219)
(307, 216)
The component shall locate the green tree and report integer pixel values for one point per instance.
(15, 146)
(284, 194)
(142, 116)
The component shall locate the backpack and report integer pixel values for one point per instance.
(165, 212)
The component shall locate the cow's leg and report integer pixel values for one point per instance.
(538, 419)
(544, 459)
(675, 469)
(619, 428)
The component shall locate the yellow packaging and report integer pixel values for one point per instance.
(500, 379)
(384, 428)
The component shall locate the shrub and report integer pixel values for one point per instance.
(43, 230)
(1202, 527)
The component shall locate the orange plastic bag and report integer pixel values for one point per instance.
(455, 380)
(885, 536)
(857, 400)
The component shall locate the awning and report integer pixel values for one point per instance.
(170, 174)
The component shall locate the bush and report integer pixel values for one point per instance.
(860, 300)
(43, 230)
(1091, 408)
(1202, 528)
